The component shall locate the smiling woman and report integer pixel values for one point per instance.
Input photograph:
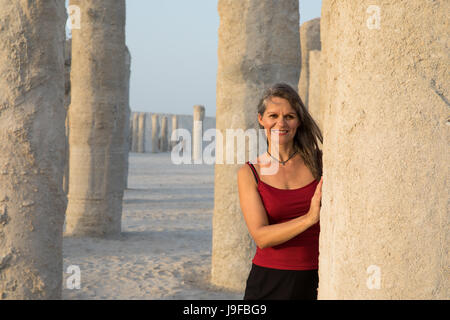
(281, 101)
(282, 209)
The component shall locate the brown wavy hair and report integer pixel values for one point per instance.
(308, 133)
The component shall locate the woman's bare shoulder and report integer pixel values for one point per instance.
(245, 175)
(244, 170)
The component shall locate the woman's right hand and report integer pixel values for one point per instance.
(314, 209)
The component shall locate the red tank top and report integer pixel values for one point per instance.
(300, 252)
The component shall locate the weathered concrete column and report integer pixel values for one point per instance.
(128, 123)
(174, 127)
(135, 133)
(384, 219)
(97, 120)
(309, 40)
(197, 132)
(259, 45)
(164, 131)
(155, 133)
(32, 152)
(314, 87)
(141, 133)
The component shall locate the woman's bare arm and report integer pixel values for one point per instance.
(255, 215)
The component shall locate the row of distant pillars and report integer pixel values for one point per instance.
(160, 137)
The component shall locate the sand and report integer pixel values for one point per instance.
(164, 251)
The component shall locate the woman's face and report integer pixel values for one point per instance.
(279, 119)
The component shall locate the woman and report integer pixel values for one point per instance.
(281, 209)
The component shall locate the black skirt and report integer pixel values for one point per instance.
(274, 284)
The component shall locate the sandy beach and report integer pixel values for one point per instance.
(164, 251)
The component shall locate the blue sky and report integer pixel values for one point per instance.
(173, 44)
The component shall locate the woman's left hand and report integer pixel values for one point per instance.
(316, 203)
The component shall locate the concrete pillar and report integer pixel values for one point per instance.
(32, 152)
(314, 87)
(128, 123)
(135, 133)
(141, 133)
(259, 45)
(197, 133)
(384, 218)
(174, 127)
(97, 120)
(155, 133)
(164, 131)
(309, 40)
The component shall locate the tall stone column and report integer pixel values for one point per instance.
(259, 45)
(197, 133)
(314, 87)
(155, 133)
(32, 152)
(97, 120)
(309, 40)
(174, 127)
(164, 131)
(135, 133)
(141, 133)
(384, 219)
